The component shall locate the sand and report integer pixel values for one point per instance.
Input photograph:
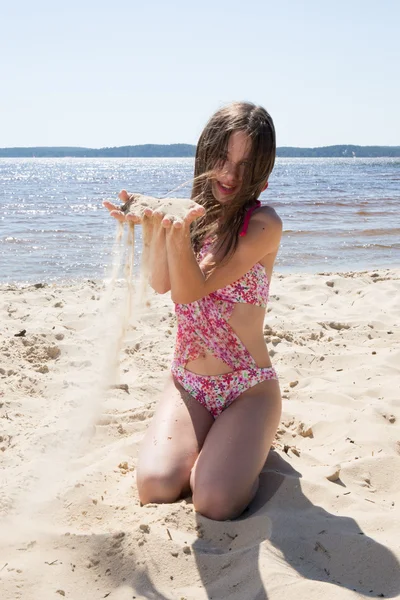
(326, 520)
(171, 208)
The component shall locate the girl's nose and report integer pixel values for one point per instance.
(231, 170)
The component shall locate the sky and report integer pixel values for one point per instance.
(101, 73)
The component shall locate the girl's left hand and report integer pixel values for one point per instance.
(181, 221)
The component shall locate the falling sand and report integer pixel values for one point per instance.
(68, 428)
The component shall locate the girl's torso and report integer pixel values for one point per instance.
(246, 320)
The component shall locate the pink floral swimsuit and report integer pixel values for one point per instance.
(203, 326)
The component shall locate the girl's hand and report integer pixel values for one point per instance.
(167, 219)
(168, 212)
(117, 213)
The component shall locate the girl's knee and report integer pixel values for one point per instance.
(221, 503)
(160, 487)
(216, 504)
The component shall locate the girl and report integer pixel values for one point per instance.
(214, 425)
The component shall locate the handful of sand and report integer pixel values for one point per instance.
(172, 208)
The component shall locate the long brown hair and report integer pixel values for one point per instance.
(225, 220)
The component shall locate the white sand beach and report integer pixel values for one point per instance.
(326, 520)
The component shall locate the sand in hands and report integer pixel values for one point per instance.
(174, 209)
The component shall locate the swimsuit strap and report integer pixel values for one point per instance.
(247, 218)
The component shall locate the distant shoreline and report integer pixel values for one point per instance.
(188, 151)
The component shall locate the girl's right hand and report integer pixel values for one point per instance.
(116, 212)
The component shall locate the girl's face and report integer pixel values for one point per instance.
(230, 169)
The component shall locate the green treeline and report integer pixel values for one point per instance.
(185, 150)
(146, 150)
(340, 151)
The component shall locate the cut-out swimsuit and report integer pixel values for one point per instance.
(203, 326)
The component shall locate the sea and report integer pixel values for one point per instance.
(339, 214)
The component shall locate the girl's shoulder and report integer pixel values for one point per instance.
(267, 215)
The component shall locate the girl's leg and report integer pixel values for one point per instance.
(225, 477)
(171, 445)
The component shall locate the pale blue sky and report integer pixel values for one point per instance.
(101, 73)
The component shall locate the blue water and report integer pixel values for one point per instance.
(338, 214)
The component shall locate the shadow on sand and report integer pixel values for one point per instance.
(320, 547)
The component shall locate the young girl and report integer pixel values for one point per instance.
(215, 422)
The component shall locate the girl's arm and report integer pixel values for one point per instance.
(188, 282)
(186, 278)
(155, 260)
(155, 231)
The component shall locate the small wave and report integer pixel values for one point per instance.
(370, 232)
(354, 233)
(369, 246)
(373, 213)
(328, 202)
(14, 240)
(316, 233)
(301, 232)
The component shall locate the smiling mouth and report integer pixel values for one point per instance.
(226, 190)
